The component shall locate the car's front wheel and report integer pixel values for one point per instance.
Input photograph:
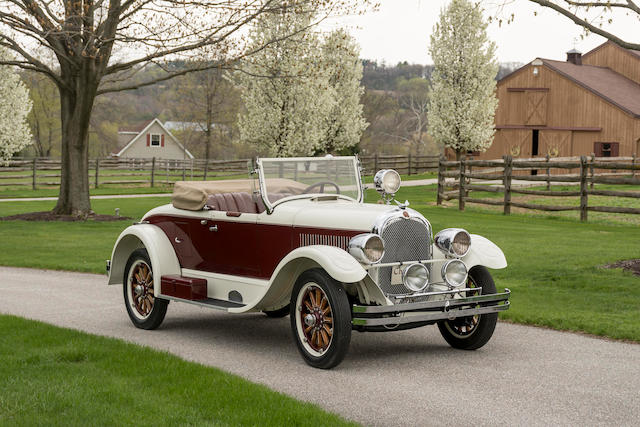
(472, 332)
(320, 319)
(144, 309)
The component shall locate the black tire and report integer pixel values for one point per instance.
(326, 344)
(276, 314)
(457, 333)
(145, 311)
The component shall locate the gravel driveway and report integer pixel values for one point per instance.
(524, 376)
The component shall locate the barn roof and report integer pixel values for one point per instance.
(604, 82)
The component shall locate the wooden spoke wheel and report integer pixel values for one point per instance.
(316, 318)
(320, 319)
(472, 332)
(144, 309)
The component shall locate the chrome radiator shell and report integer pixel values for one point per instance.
(407, 236)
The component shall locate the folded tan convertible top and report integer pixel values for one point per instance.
(192, 195)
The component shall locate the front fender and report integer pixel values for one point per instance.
(482, 252)
(163, 258)
(335, 261)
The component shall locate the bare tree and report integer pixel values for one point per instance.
(100, 45)
(592, 15)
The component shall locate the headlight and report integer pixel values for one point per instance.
(453, 241)
(387, 181)
(367, 248)
(454, 272)
(415, 277)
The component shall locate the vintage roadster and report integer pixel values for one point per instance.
(296, 239)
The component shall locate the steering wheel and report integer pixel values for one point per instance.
(321, 185)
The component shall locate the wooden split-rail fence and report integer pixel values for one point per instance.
(43, 172)
(508, 176)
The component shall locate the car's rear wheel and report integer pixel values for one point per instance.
(320, 319)
(472, 332)
(144, 309)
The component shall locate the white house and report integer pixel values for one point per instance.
(150, 139)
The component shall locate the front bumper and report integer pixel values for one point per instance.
(428, 311)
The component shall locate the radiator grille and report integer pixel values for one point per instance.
(404, 240)
(307, 239)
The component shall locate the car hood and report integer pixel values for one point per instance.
(338, 214)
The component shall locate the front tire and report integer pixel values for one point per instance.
(320, 319)
(144, 309)
(472, 332)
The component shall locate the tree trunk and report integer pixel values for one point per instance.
(75, 112)
(458, 155)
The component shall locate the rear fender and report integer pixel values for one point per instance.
(163, 258)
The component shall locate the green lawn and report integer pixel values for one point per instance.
(56, 376)
(554, 263)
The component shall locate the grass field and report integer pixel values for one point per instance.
(555, 264)
(55, 376)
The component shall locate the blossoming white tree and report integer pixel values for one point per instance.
(462, 99)
(345, 120)
(14, 108)
(301, 95)
(285, 102)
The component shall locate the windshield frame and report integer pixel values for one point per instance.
(263, 187)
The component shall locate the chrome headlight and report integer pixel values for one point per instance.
(367, 248)
(453, 241)
(454, 272)
(387, 181)
(415, 277)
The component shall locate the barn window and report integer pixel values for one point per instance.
(606, 149)
(155, 140)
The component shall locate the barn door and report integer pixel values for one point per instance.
(536, 108)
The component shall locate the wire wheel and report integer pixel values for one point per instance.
(140, 288)
(463, 327)
(315, 325)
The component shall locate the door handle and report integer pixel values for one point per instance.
(177, 240)
(213, 228)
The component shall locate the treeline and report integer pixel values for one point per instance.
(395, 106)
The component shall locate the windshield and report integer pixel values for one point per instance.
(285, 178)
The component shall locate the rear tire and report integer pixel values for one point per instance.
(144, 309)
(320, 319)
(472, 332)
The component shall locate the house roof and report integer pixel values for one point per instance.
(143, 131)
(136, 127)
(604, 82)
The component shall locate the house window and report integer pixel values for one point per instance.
(606, 149)
(155, 140)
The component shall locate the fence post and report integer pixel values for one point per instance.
(440, 180)
(548, 174)
(206, 169)
(166, 166)
(468, 178)
(593, 159)
(35, 168)
(153, 171)
(375, 163)
(409, 164)
(97, 171)
(583, 187)
(633, 163)
(184, 170)
(461, 186)
(506, 181)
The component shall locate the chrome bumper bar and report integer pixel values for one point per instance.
(427, 311)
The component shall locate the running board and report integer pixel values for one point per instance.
(208, 302)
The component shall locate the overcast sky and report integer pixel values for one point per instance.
(400, 31)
